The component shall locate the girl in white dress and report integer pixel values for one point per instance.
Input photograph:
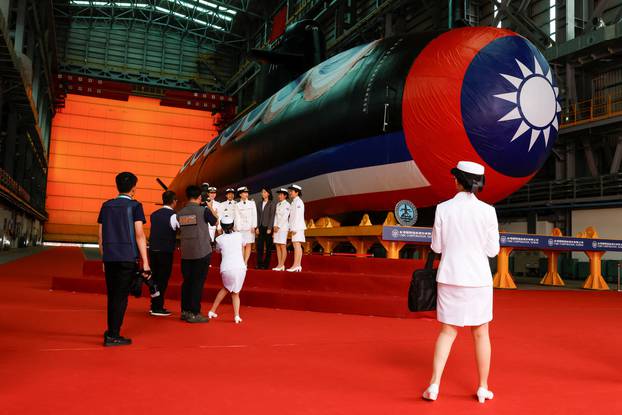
(466, 233)
(297, 225)
(232, 267)
(246, 220)
(281, 228)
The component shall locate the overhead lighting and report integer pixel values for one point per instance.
(158, 8)
(217, 7)
(201, 9)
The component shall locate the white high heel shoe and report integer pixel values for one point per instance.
(279, 268)
(431, 393)
(237, 319)
(483, 394)
(212, 315)
(295, 269)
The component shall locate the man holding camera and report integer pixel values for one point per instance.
(121, 242)
(162, 241)
(196, 252)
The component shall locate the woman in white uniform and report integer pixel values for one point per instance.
(466, 233)
(232, 267)
(297, 225)
(246, 220)
(211, 193)
(281, 229)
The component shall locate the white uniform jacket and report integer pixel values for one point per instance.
(226, 208)
(245, 215)
(216, 208)
(297, 216)
(281, 217)
(466, 233)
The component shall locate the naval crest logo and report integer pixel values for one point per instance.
(406, 213)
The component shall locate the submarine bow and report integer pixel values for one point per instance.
(387, 120)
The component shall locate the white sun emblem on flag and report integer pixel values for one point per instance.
(536, 103)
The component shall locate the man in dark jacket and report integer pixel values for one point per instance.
(162, 240)
(121, 242)
(266, 210)
(196, 252)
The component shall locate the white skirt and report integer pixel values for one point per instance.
(298, 236)
(464, 306)
(248, 237)
(280, 237)
(233, 279)
(212, 232)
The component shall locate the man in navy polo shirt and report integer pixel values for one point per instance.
(162, 241)
(121, 242)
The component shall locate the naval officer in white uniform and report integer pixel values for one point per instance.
(227, 208)
(466, 233)
(281, 228)
(246, 220)
(297, 225)
(211, 194)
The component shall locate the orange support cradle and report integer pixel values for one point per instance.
(503, 278)
(595, 280)
(552, 276)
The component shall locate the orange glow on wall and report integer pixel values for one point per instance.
(93, 139)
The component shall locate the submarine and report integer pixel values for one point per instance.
(387, 120)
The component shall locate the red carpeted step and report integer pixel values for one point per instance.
(314, 263)
(330, 302)
(369, 286)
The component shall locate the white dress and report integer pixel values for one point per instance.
(281, 220)
(466, 233)
(297, 223)
(232, 267)
(246, 220)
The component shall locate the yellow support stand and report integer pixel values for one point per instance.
(327, 245)
(595, 280)
(552, 277)
(390, 220)
(365, 221)
(361, 245)
(393, 248)
(503, 278)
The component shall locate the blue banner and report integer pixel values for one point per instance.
(514, 240)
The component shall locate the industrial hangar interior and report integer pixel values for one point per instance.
(362, 108)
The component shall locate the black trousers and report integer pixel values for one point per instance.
(264, 247)
(194, 272)
(118, 278)
(161, 268)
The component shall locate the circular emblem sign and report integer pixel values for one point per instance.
(406, 213)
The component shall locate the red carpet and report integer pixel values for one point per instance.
(338, 284)
(554, 352)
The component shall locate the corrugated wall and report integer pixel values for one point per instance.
(93, 139)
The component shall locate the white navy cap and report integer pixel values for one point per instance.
(205, 184)
(295, 187)
(282, 190)
(230, 190)
(226, 220)
(212, 189)
(471, 167)
(242, 189)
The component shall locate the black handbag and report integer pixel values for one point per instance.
(422, 290)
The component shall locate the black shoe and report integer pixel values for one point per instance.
(110, 341)
(197, 318)
(185, 315)
(160, 313)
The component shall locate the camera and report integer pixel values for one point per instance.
(139, 280)
(205, 194)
